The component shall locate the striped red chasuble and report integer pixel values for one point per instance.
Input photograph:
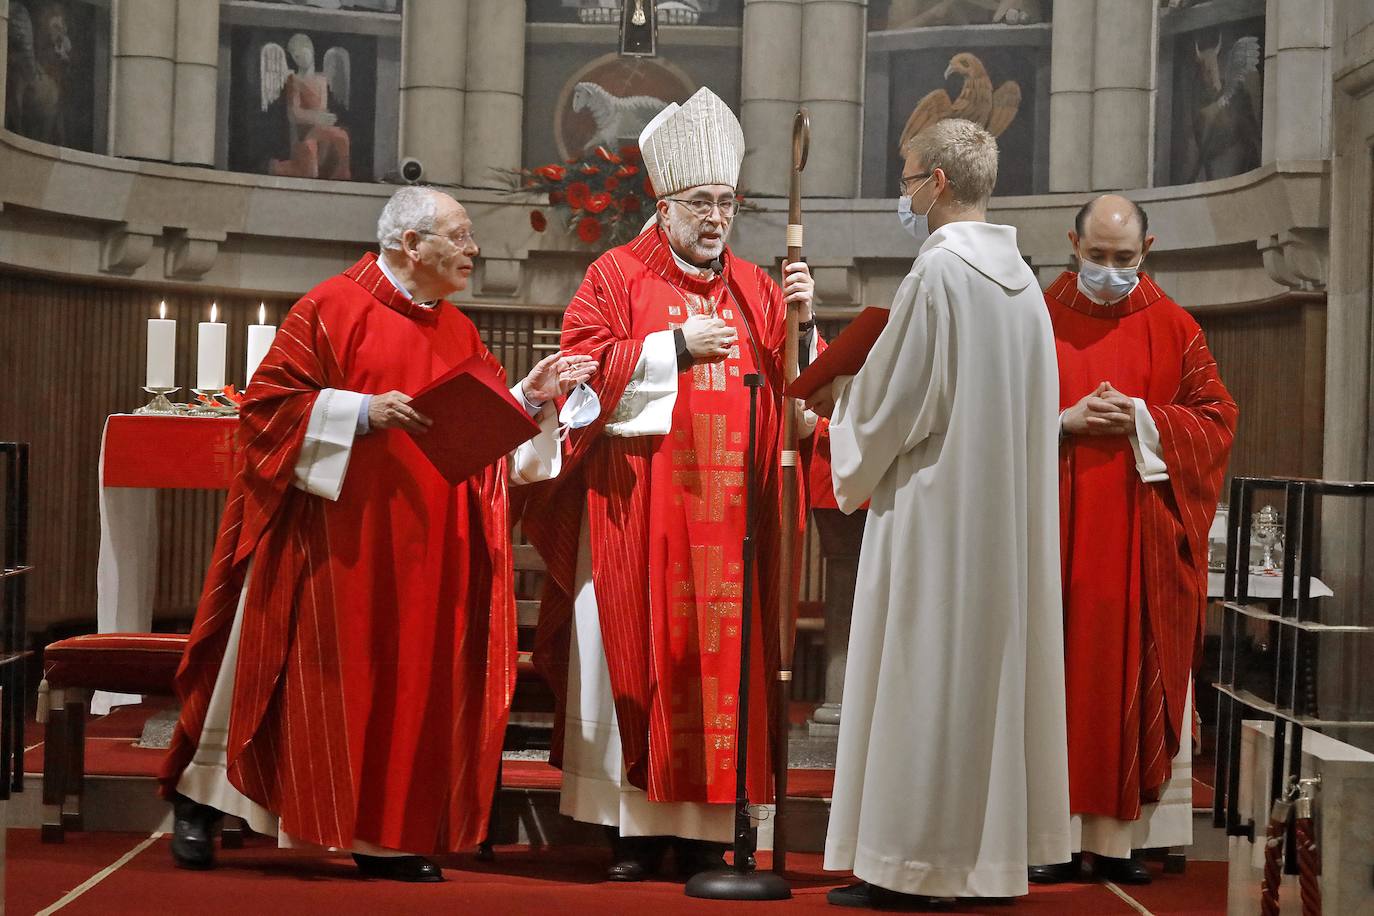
(377, 656)
(666, 520)
(1134, 553)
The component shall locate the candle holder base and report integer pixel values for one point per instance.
(212, 404)
(159, 404)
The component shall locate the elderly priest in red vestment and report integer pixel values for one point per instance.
(350, 669)
(1145, 434)
(641, 619)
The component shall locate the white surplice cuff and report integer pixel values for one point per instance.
(1149, 458)
(328, 443)
(540, 458)
(646, 407)
(518, 392)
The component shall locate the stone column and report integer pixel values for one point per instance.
(1071, 95)
(770, 85)
(1123, 52)
(493, 121)
(1297, 82)
(434, 38)
(143, 66)
(4, 53)
(1347, 525)
(197, 78)
(832, 80)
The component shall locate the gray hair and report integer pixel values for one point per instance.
(965, 152)
(411, 207)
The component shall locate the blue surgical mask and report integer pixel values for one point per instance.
(916, 224)
(1107, 284)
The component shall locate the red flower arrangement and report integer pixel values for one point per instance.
(592, 193)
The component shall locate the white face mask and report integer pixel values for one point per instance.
(1108, 284)
(580, 409)
(916, 224)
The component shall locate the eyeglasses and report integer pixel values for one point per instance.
(906, 181)
(463, 239)
(702, 207)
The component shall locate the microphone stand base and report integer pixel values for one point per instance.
(731, 884)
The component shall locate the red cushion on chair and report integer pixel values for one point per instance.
(121, 662)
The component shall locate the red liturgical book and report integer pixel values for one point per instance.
(476, 420)
(844, 356)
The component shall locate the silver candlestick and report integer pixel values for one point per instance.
(1268, 529)
(159, 404)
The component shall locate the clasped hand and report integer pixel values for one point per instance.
(1105, 412)
(709, 339)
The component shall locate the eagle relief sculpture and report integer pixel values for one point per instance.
(993, 109)
(319, 147)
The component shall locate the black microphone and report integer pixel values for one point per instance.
(717, 264)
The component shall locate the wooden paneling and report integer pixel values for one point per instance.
(1273, 360)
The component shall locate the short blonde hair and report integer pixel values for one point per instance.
(965, 152)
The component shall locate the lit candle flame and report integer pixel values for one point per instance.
(262, 313)
(214, 312)
(162, 309)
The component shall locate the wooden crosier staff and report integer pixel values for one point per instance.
(787, 616)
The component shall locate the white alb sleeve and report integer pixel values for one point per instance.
(540, 458)
(328, 443)
(646, 407)
(1149, 457)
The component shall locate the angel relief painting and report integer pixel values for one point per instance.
(302, 106)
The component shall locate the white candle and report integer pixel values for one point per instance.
(259, 342)
(162, 350)
(211, 346)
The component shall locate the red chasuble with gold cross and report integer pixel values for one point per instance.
(666, 517)
(1134, 553)
(377, 655)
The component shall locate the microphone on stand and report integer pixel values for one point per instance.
(718, 265)
(741, 880)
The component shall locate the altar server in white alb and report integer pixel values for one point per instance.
(951, 775)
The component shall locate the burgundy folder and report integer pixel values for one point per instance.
(476, 420)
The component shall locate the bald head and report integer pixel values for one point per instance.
(1112, 231)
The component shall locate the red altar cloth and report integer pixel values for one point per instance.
(169, 452)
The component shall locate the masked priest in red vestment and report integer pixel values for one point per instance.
(350, 669)
(1145, 434)
(642, 613)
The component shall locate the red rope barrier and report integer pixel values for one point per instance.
(1309, 859)
(1273, 856)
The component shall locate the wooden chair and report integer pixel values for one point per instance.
(532, 706)
(143, 663)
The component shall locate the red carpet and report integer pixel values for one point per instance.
(110, 751)
(563, 881)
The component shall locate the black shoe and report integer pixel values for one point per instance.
(869, 896)
(855, 895)
(634, 858)
(695, 856)
(1121, 871)
(193, 826)
(1058, 873)
(415, 869)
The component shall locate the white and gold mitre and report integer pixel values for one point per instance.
(698, 142)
